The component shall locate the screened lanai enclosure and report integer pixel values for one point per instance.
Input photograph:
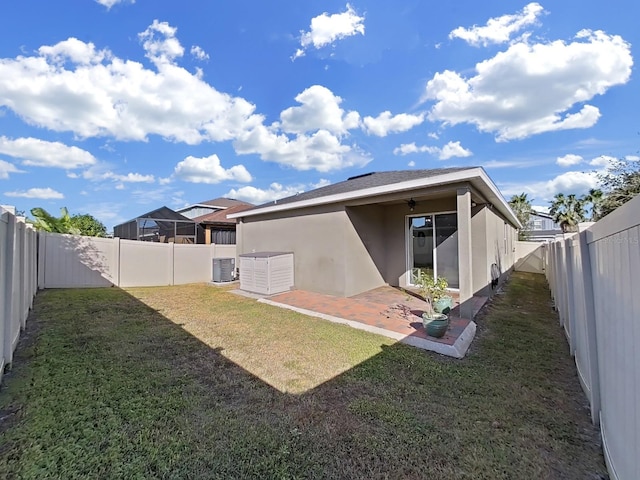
(162, 225)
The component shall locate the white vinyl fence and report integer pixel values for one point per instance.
(18, 280)
(71, 261)
(594, 277)
(530, 256)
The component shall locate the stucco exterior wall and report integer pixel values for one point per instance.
(316, 238)
(481, 274)
(364, 244)
(493, 241)
(337, 252)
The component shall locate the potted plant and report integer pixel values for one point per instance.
(434, 291)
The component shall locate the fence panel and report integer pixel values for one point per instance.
(193, 263)
(145, 264)
(17, 280)
(530, 257)
(595, 282)
(74, 261)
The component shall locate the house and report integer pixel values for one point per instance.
(161, 225)
(542, 228)
(202, 223)
(387, 228)
(211, 216)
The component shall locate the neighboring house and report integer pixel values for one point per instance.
(387, 228)
(161, 225)
(542, 228)
(218, 228)
(204, 222)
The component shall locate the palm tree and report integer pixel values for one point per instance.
(47, 222)
(521, 206)
(568, 211)
(595, 198)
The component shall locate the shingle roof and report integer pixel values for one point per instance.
(367, 180)
(220, 216)
(225, 202)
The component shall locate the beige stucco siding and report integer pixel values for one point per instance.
(365, 245)
(493, 242)
(331, 255)
(316, 238)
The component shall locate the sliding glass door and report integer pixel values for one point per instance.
(433, 247)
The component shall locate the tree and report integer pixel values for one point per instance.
(620, 183)
(594, 199)
(47, 222)
(76, 225)
(568, 211)
(88, 225)
(521, 206)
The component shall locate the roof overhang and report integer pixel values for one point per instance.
(477, 177)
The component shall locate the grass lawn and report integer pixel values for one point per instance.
(195, 382)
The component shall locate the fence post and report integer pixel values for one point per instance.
(42, 252)
(4, 295)
(172, 263)
(9, 287)
(590, 323)
(117, 270)
(569, 324)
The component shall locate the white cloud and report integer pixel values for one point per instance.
(41, 153)
(71, 86)
(450, 150)
(132, 178)
(603, 161)
(411, 164)
(75, 51)
(101, 171)
(567, 182)
(320, 109)
(160, 42)
(6, 168)
(453, 149)
(507, 163)
(209, 170)
(321, 151)
(632, 158)
(386, 123)
(569, 160)
(323, 182)
(499, 29)
(257, 195)
(540, 208)
(326, 29)
(41, 193)
(531, 89)
(111, 3)
(199, 53)
(95, 94)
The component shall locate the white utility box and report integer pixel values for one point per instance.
(267, 273)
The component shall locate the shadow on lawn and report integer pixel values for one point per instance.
(123, 391)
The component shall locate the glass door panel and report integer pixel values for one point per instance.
(421, 247)
(433, 247)
(446, 233)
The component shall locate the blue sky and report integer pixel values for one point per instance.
(115, 108)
